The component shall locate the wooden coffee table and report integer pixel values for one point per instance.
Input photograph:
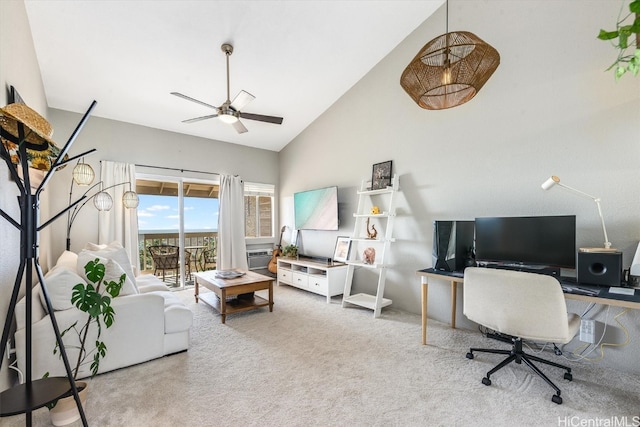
(223, 288)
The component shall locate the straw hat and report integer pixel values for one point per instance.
(41, 150)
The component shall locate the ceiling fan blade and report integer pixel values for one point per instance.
(239, 127)
(197, 119)
(188, 98)
(261, 118)
(241, 99)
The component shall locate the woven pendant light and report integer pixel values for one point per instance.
(449, 70)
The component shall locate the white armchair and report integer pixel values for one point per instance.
(519, 306)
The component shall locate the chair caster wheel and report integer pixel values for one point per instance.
(486, 381)
(568, 376)
(469, 355)
(556, 399)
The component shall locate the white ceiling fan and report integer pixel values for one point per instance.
(229, 111)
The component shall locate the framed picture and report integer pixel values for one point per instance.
(343, 245)
(14, 96)
(381, 177)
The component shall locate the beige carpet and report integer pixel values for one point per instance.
(315, 364)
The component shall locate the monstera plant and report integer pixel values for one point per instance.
(94, 299)
(626, 40)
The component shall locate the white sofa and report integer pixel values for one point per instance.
(150, 321)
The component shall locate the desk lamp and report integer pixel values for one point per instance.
(554, 180)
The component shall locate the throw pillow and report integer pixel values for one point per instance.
(112, 271)
(95, 247)
(116, 252)
(68, 259)
(59, 282)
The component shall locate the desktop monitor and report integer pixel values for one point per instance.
(533, 241)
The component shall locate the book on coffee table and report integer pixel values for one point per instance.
(229, 274)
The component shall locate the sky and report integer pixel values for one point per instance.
(161, 213)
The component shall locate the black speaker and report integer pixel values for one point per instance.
(453, 245)
(600, 268)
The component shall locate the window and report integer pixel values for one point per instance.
(258, 210)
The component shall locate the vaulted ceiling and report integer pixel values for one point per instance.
(296, 57)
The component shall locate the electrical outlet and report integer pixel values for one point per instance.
(590, 330)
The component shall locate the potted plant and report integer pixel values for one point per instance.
(290, 251)
(94, 299)
(627, 45)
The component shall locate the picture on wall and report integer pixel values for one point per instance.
(381, 177)
(343, 244)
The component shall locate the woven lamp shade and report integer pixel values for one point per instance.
(83, 174)
(103, 201)
(130, 199)
(449, 70)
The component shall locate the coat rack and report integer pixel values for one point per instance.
(34, 394)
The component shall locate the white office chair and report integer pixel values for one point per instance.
(522, 306)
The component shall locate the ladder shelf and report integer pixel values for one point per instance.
(376, 247)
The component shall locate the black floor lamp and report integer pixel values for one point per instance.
(101, 199)
(26, 144)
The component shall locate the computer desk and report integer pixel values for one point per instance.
(604, 297)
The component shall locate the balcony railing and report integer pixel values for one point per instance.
(146, 239)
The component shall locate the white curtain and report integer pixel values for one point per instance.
(232, 250)
(119, 224)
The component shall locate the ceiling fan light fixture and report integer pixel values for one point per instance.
(228, 117)
(229, 111)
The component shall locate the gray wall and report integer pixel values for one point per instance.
(550, 108)
(123, 142)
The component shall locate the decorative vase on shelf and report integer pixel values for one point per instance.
(369, 256)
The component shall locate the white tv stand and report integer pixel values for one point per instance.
(320, 278)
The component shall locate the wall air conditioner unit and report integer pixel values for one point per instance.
(258, 258)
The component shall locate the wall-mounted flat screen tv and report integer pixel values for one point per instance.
(316, 209)
(533, 240)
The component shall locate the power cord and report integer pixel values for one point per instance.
(14, 364)
(588, 309)
(488, 333)
(556, 350)
(600, 345)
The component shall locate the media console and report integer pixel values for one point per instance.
(318, 277)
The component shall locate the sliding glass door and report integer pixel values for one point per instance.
(181, 216)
